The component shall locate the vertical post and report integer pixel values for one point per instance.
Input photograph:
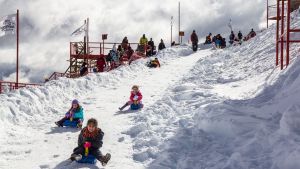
(267, 13)
(70, 70)
(103, 46)
(178, 22)
(282, 35)
(171, 29)
(87, 35)
(17, 71)
(100, 48)
(277, 33)
(288, 32)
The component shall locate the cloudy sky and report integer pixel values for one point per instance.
(45, 26)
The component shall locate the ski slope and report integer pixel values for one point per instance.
(213, 109)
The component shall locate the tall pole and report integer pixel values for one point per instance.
(282, 34)
(17, 71)
(288, 32)
(277, 33)
(87, 35)
(178, 22)
(267, 13)
(171, 29)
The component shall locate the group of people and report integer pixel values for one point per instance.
(219, 41)
(90, 139)
(124, 53)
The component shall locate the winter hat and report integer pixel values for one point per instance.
(93, 121)
(75, 101)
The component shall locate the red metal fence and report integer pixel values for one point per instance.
(9, 86)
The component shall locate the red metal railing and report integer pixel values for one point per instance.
(9, 86)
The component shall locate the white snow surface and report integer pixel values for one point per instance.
(213, 109)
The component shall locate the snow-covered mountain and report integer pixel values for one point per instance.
(213, 109)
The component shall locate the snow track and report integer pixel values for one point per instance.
(36, 143)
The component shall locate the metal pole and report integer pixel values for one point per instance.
(171, 29)
(17, 71)
(282, 37)
(267, 13)
(277, 33)
(178, 22)
(288, 33)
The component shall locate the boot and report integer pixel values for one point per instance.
(121, 108)
(58, 124)
(104, 159)
(76, 157)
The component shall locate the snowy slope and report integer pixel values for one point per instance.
(214, 109)
(235, 109)
(28, 115)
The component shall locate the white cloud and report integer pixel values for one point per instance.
(46, 25)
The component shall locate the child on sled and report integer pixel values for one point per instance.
(135, 98)
(74, 114)
(90, 142)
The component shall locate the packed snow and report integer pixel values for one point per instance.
(212, 109)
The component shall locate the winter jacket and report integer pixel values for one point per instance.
(240, 35)
(161, 46)
(143, 41)
(151, 43)
(78, 113)
(96, 140)
(194, 38)
(139, 94)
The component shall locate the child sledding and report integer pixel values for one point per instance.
(89, 144)
(153, 63)
(74, 117)
(135, 100)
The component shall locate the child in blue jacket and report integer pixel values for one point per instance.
(74, 114)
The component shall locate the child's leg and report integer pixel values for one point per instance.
(96, 153)
(60, 122)
(125, 105)
(79, 150)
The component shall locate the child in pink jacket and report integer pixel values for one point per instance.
(135, 98)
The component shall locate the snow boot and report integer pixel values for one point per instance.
(58, 124)
(76, 157)
(79, 125)
(121, 108)
(104, 159)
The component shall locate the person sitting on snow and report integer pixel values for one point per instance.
(161, 45)
(74, 114)
(151, 44)
(135, 98)
(208, 39)
(90, 142)
(154, 63)
(252, 33)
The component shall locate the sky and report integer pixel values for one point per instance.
(45, 26)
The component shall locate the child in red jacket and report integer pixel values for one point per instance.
(135, 98)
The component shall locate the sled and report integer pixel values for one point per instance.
(90, 159)
(136, 106)
(69, 123)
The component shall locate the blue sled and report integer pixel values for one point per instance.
(90, 159)
(69, 123)
(136, 106)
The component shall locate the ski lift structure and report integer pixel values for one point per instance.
(280, 12)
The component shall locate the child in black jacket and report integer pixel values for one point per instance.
(90, 141)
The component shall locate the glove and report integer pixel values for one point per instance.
(87, 144)
(135, 97)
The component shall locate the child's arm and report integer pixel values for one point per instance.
(81, 140)
(140, 96)
(98, 141)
